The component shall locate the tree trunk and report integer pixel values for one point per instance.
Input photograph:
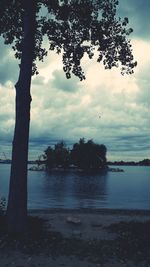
(17, 200)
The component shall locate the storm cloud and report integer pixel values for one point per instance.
(107, 107)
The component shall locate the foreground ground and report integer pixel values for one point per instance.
(80, 238)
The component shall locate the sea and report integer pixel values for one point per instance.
(73, 189)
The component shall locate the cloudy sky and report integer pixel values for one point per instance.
(109, 108)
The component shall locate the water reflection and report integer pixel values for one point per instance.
(72, 189)
(90, 185)
(55, 185)
(89, 189)
(126, 190)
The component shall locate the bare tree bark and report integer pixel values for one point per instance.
(17, 200)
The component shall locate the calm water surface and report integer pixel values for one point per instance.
(123, 190)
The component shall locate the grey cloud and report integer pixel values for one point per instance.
(38, 80)
(38, 145)
(6, 136)
(66, 118)
(143, 97)
(131, 143)
(60, 82)
(138, 13)
(126, 147)
(3, 117)
(8, 65)
(6, 131)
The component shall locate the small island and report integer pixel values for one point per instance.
(82, 156)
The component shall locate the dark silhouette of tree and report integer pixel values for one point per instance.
(59, 156)
(88, 155)
(73, 27)
(145, 162)
(49, 158)
(84, 155)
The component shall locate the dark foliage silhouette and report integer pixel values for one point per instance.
(88, 155)
(84, 155)
(59, 156)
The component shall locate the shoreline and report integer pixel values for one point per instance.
(88, 224)
(83, 238)
(102, 211)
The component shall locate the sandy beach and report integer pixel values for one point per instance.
(86, 238)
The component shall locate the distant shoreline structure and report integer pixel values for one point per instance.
(8, 161)
(145, 162)
(5, 161)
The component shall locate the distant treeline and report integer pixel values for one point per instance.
(84, 155)
(144, 162)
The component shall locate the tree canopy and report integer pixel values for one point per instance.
(57, 156)
(88, 155)
(73, 28)
(83, 155)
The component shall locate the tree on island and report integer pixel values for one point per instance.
(73, 27)
(88, 155)
(57, 156)
(85, 155)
